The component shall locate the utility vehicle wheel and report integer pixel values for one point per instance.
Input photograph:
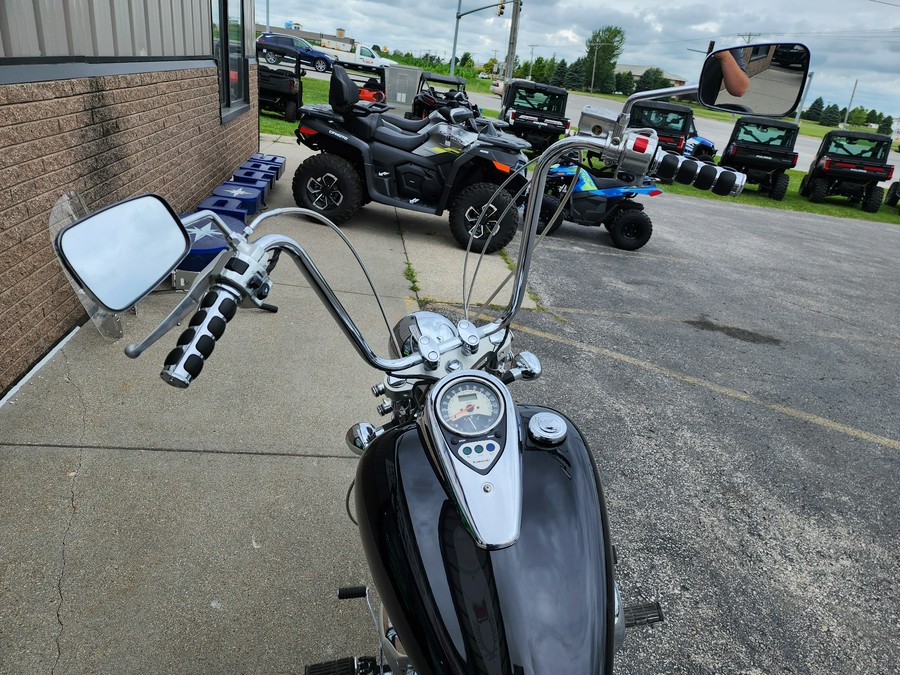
(321, 65)
(818, 190)
(630, 229)
(490, 234)
(780, 186)
(893, 194)
(329, 185)
(873, 200)
(804, 186)
(290, 111)
(549, 205)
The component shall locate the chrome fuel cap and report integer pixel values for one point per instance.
(548, 428)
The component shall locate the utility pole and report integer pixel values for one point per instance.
(849, 105)
(803, 100)
(531, 60)
(748, 36)
(513, 38)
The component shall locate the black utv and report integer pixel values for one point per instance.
(535, 111)
(763, 150)
(849, 164)
(280, 84)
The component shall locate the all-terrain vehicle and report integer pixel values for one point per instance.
(674, 126)
(437, 91)
(598, 198)
(280, 84)
(849, 164)
(443, 162)
(763, 149)
(535, 111)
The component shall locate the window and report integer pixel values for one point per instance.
(228, 51)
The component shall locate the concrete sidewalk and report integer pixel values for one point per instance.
(149, 529)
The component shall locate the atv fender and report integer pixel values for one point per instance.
(623, 205)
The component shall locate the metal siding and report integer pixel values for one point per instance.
(52, 39)
(78, 28)
(121, 18)
(109, 28)
(18, 29)
(153, 20)
(102, 28)
(140, 41)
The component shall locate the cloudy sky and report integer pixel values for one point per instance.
(850, 39)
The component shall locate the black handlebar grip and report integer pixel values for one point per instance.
(196, 343)
(349, 592)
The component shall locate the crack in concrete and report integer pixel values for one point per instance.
(73, 504)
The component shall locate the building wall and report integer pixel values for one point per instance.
(108, 138)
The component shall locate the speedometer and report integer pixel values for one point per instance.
(470, 408)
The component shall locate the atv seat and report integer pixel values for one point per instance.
(398, 138)
(405, 124)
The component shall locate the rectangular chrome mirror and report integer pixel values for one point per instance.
(122, 252)
(763, 79)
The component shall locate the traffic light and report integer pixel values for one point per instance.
(500, 9)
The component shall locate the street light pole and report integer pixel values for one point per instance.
(460, 14)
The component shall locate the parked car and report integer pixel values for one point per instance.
(484, 76)
(497, 87)
(298, 48)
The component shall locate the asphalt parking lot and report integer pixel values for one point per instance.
(738, 380)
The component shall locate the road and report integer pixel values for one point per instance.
(737, 379)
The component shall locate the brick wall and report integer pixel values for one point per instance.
(107, 138)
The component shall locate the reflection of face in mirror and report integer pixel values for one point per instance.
(123, 252)
(764, 79)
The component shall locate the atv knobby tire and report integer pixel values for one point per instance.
(780, 186)
(290, 111)
(328, 184)
(818, 190)
(893, 194)
(549, 205)
(630, 229)
(873, 200)
(488, 235)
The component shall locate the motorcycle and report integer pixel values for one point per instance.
(446, 161)
(482, 519)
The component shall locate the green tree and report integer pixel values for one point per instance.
(814, 111)
(604, 48)
(857, 117)
(466, 60)
(886, 126)
(653, 78)
(831, 116)
(608, 84)
(559, 75)
(625, 82)
(575, 76)
(490, 65)
(873, 117)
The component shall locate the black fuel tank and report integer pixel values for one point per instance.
(542, 606)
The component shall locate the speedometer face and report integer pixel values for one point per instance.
(470, 408)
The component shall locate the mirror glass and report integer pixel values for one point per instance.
(763, 79)
(121, 253)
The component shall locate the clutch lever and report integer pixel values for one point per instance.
(188, 305)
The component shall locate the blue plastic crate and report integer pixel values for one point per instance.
(207, 241)
(251, 198)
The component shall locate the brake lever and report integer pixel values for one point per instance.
(187, 305)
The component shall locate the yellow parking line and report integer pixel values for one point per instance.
(711, 386)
